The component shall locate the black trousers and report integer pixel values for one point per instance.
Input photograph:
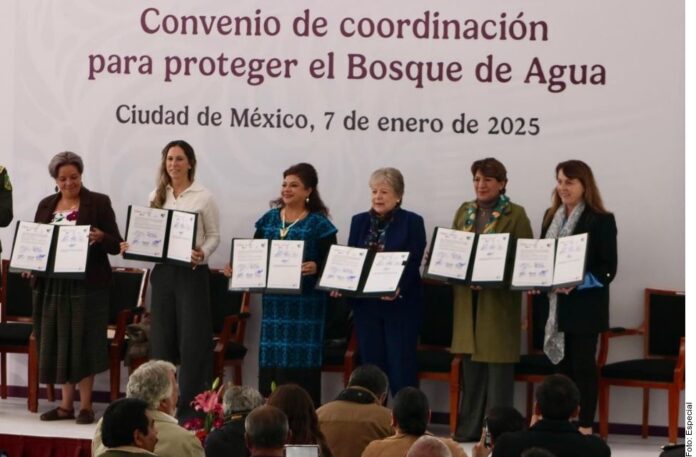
(182, 328)
(580, 365)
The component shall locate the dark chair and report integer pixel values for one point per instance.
(435, 361)
(230, 311)
(340, 353)
(534, 366)
(662, 366)
(16, 333)
(126, 300)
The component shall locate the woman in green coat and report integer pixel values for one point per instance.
(487, 320)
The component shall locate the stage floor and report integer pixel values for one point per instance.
(15, 419)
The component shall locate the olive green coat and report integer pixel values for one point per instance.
(495, 336)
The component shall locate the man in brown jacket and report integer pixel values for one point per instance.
(410, 418)
(357, 416)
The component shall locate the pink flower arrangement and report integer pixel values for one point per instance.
(209, 403)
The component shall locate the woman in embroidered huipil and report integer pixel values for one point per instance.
(578, 314)
(487, 320)
(292, 326)
(70, 315)
(387, 328)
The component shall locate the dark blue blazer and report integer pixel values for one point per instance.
(587, 311)
(406, 232)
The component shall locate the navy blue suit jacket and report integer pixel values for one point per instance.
(406, 232)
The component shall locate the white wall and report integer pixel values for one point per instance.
(630, 129)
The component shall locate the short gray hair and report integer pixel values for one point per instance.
(64, 158)
(240, 398)
(428, 446)
(391, 176)
(150, 382)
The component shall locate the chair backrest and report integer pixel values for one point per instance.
(16, 296)
(664, 322)
(436, 325)
(224, 302)
(127, 291)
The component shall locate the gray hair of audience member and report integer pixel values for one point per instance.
(504, 419)
(266, 427)
(240, 399)
(369, 377)
(64, 158)
(428, 446)
(150, 382)
(392, 177)
(537, 452)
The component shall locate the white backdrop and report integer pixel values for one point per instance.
(625, 118)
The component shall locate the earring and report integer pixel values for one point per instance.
(306, 200)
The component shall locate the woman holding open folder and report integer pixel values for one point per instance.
(487, 320)
(292, 326)
(70, 315)
(387, 328)
(182, 329)
(578, 314)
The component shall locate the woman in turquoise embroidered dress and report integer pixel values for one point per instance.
(292, 326)
(487, 323)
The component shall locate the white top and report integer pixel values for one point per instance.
(197, 199)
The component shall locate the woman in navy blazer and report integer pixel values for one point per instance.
(387, 327)
(582, 312)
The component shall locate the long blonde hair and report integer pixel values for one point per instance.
(163, 179)
(577, 169)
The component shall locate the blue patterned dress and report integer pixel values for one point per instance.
(292, 326)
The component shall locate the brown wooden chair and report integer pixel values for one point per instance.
(340, 353)
(663, 364)
(126, 300)
(16, 333)
(435, 361)
(534, 366)
(230, 311)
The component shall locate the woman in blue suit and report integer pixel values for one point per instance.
(387, 327)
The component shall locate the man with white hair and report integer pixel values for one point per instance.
(428, 446)
(155, 383)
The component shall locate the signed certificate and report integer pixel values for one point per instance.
(32, 246)
(385, 273)
(71, 249)
(450, 255)
(490, 258)
(569, 268)
(147, 231)
(534, 261)
(249, 264)
(285, 265)
(343, 268)
(182, 236)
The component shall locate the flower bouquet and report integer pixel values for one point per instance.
(209, 403)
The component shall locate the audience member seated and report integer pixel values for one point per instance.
(499, 420)
(428, 446)
(557, 400)
(297, 405)
(266, 432)
(154, 382)
(237, 403)
(537, 452)
(128, 429)
(410, 417)
(357, 416)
